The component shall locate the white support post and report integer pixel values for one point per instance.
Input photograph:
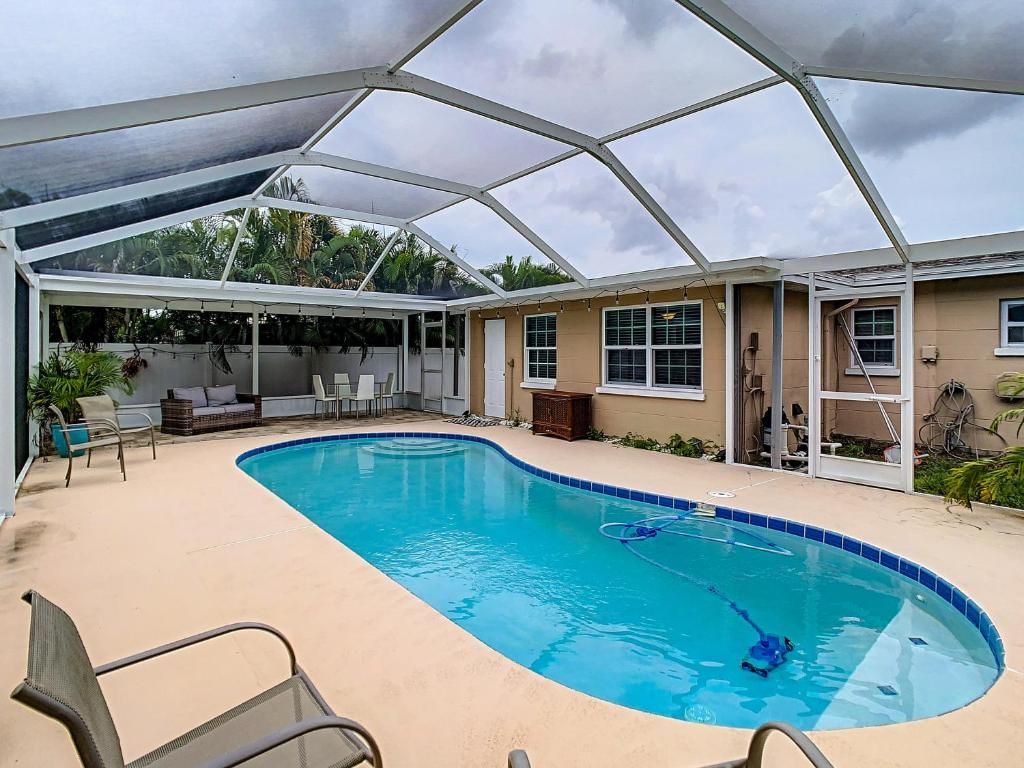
(467, 337)
(234, 246)
(35, 348)
(444, 345)
(256, 352)
(813, 378)
(44, 325)
(404, 384)
(730, 374)
(8, 276)
(779, 436)
(907, 381)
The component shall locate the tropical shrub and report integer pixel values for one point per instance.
(997, 480)
(65, 376)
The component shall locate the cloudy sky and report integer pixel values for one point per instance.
(754, 177)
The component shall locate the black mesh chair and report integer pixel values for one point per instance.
(289, 725)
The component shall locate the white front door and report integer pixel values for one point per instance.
(494, 368)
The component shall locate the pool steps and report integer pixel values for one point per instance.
(901, 565)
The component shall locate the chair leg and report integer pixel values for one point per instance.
(88, 458)
(152, 441)
(71, 459)
(120, 456)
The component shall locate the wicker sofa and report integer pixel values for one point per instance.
(194, 410)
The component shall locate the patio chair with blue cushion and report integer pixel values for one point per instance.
(287, 726)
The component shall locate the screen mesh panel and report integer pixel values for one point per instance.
(592, 65)
(753, 177)
(35, 173)
(947, 163)
(67, 54)
(123, 214)
(446, 142)
(587, 216)
(978, 40)
(367, 194)
(479, 235)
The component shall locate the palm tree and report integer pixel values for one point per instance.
(514, 276)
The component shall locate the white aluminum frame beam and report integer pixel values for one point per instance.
(155, 291)
(1015, 87)
(46, 126)
(234, 246)
(380, 260)
(466, 267)
(734, 27)
(690, 109)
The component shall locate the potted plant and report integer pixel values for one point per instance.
(64, 377)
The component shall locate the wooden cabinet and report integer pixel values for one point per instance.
(561, 414)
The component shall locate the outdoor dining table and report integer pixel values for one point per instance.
(378, 390)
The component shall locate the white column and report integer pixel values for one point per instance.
(907, 381)
(813, 379)
(8, 472)
(780, 438)
(256, 353)
(44, 326)
(467, 335)
(405, 356)
(35, 348)
(730, 372)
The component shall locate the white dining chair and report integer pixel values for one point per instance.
(387, 393)
(364, 393)
(342, 388)
(321, 396)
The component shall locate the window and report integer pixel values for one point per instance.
(654, 347)
(874, 333)
(1011, 324)
(540, 348)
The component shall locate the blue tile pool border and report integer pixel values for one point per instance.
(902, 566)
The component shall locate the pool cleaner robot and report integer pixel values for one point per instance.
(769, 652)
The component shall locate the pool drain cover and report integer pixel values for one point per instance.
(722, 494)
(888, 690)
(918, 641)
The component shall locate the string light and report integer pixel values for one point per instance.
(202, 306)
(647, 297)
(616, 298)
(561, 306)
(232, 303)
(588, 305)
(300, 309)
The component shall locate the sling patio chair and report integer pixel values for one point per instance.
(102, 408)
(101, 433)
(287, 726)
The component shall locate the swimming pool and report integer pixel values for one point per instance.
(516, 556)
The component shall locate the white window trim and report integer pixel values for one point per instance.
(1005, 348)
(538, 383)
(649, 389)
(875, 369)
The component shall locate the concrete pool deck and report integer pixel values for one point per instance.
(191, 542)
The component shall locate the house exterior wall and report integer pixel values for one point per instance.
(960, 317)
(580, 362)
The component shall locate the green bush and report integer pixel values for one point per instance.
(632, 440)
(692, 448)
(593, 433)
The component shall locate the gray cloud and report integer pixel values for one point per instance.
(559, 64)
(631, 226)
(889, 120)
(645, 19)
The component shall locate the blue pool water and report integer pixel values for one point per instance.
(521, 562)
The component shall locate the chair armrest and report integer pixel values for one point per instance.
(93, 425)
(756, 752)
(517, 759)
(284, 735)
(195, 640)
(174, 404)
(140, 414)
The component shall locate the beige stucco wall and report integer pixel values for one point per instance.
(960, 317)
(579, 368)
